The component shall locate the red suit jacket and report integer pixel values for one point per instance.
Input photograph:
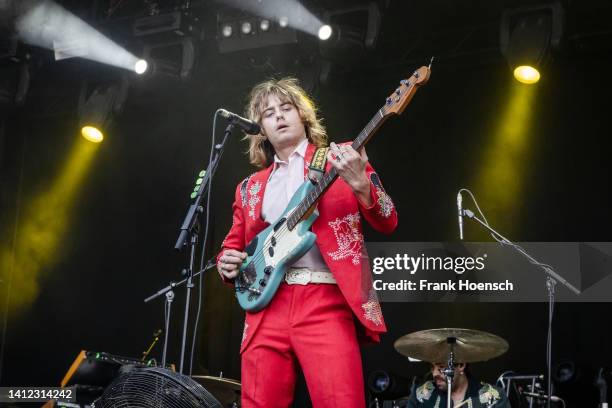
(339, 238)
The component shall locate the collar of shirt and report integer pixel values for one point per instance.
(300, 150)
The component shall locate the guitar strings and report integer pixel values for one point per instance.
(281, 232)
(327, 178)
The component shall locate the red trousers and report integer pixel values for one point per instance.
(310, 325)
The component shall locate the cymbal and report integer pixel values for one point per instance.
(225, 390)
(470, 345)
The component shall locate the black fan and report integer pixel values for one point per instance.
(155, 387)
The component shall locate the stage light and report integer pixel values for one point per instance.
(345, 44)
(250, 33)
(169, 59)
(288, 15)
(351, 32)
(246, 27)
(92, 133)
(325, 32)
(98, 109)
(264, 25)
(226, 30)
(529, 35)
(141, 66)
(526, 74)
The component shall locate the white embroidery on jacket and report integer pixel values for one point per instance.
(371, 309)
(385, 203)
(243, 191)
(348, 238)
(254, 198)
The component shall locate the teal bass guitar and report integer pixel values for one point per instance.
(280, 245)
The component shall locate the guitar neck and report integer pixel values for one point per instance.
(395, 104)
(309, 202)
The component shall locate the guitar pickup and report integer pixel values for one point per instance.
(250, 249)
(279, 224)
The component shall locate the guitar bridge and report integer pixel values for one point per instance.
(254, 293)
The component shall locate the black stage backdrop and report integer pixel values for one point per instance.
(117, 249)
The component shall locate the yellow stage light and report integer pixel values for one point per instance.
(92, 134)
(526, 74)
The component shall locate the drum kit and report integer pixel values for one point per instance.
(451, 345)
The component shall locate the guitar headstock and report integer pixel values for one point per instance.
(399, 99)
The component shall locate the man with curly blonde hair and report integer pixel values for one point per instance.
(326, 305)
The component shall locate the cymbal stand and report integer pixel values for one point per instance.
(449, 371)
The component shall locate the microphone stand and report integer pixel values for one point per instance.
(552, 278)
(189, 227)
(169, 292)
(191, 216)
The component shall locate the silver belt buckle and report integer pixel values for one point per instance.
(298, 277)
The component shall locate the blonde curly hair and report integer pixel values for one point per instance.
(261, 152)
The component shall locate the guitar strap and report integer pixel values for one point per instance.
(316, 169)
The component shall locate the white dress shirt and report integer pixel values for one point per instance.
(285, 179)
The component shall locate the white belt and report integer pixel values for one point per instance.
(303, 276)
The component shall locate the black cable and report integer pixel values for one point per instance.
(204, 240)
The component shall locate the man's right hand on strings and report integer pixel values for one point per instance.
(229, 263)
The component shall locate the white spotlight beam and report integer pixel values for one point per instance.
(50, 26)
(297, 15)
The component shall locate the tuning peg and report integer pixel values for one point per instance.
(389, 101)
(398, 91)
(416, 74)
(405, 82)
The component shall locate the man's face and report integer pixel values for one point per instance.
(440, 379)
(281, 123)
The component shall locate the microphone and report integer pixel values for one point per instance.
(247, 125)
(460, 212)
(540, 396)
